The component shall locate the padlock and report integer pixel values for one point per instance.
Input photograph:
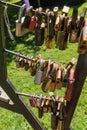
(17, 61)
(39, 72)
(61, 118)
(68, 94)
(32, 24)
(73, 36)
(74, 15)
(60, 125)
(56, 26)
(84, 38)
(46, 85)
(26, 21)
(62, 38)
(39, 36)
(52, 86)
(40, 112)
(54, 121)
(26, 65)
(33, 72)
(82, 46)
(21, 62)
(50, 43)
(65, 10)
(40, 109)
(20, 31)
(27, 17)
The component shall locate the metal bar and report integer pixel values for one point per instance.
(16, 6)
(18, 54)
(35, 96)
(9, 4)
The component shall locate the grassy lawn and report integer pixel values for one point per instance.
(23, 82)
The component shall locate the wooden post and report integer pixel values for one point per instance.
(80, 76)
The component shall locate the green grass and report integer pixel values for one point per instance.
(23, 82)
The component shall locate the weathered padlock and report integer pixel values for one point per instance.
(39, 28)
(62, 37)
(39, 36)
(73, 36)
(20, 31)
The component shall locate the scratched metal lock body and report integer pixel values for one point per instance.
(39, 36)
(39, 72)
(38, 77)
(62, 40)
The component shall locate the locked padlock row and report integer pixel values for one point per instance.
(48, 73)
(52, 28)
(54, 105)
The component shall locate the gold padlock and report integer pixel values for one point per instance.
(50, 43)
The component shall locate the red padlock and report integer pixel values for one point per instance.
(32, 24)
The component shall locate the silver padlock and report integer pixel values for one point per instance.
(84, 33)
(39, 72)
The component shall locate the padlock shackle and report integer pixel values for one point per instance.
(21, 12)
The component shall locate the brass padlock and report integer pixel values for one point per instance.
(46, 85)
(50, 43)
(52, 86)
